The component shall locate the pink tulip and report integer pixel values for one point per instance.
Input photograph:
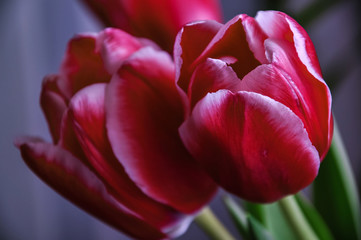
(159, 20)
(260, 121)
(114, 111)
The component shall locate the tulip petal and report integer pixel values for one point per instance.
(314, 95)
(270, 81)
(287, 36)
(211, 76)
(93, 58)
(251, 145)
(53, 105)
(83, 65)
(69, 142)
(255, 38)
(116, 46)
(87, 114)
(69, 177)
(230, 44)
(189, 43)
(144, 111)
(278, 25)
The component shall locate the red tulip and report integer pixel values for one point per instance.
(114, 112)
(159, 20)
(260, 120)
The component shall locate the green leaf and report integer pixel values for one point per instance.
(258, 211)
(248, 226)
(256, 230)
(290, 218)
(335, 193)
(317, 223)
(271, 216)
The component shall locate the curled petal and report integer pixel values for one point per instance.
(189, 44)
(257, 148)
(278, 25)
(69, 141)
(211, 76)
(93, 58)
(272, 82)
(82, 66)
(240, 43)
(72, 179)
(269, 80)
(255, 37)
(314, 95)
(230, 44)
(116, 46)
(144, 111)
(53, 105)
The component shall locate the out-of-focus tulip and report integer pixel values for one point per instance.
(114, 112)
(260, 121)
(158, 20)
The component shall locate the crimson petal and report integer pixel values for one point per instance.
(270, 81)
(88, 119)
(314, 94)
(189, 43)
(53, 105)
(69, 177)
(255, 37)
(69, 142)
(287, 36)
(93, 58)
(210, 76)
(83, 65)
(230, 44)
(251, 145)
(144, 111)
(278, 25)
(116, 46)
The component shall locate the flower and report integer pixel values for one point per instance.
(260, 117)
(113, 111)
(158, 20)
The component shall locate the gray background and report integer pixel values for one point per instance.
(33, 36)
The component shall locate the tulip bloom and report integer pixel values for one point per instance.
(260, 121)
(114, 112)
(158, 20)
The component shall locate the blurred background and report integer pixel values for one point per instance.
(33, 36)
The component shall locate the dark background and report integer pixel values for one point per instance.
(33, 36)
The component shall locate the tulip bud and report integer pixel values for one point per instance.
(260, 121)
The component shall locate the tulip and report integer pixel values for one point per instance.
(114, 111)
(260, 119)
(158, 20)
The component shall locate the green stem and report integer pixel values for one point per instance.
(297, 220)
(209, 223)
